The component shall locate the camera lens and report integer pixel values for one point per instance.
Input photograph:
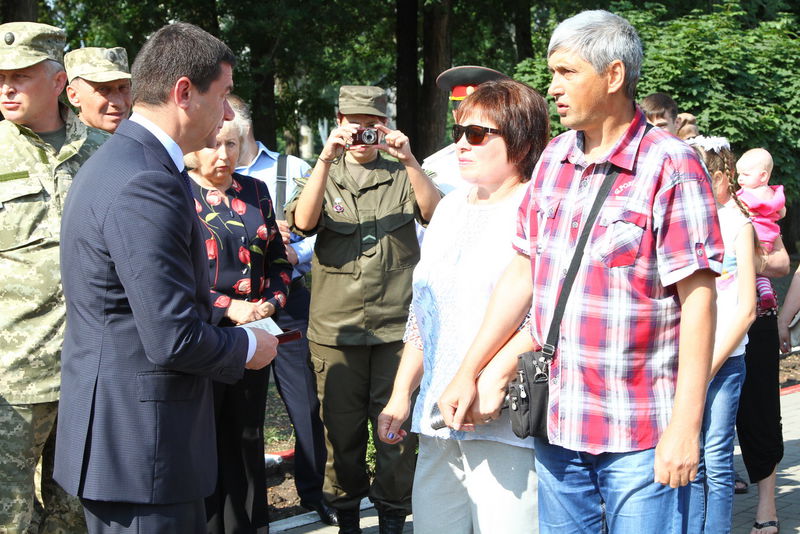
(370, 136)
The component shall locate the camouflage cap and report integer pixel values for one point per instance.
(97, 64)
(362, 99)
(23, 44)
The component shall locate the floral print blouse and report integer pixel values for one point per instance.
(246, 255)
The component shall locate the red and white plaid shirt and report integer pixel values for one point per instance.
(613, 377)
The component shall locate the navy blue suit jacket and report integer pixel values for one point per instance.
(135, 420)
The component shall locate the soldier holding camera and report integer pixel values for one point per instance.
(362, 208)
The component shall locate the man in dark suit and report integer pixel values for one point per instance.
(136, 427)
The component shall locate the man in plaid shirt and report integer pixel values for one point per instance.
(628, 380)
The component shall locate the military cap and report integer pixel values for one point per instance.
(23, 44)
(97, 64)
(362, 99)
(461, 82)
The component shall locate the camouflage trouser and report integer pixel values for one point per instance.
(25, 429)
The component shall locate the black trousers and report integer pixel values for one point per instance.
(130, 518)
(297, 387)
(758, 421)
(239, 501)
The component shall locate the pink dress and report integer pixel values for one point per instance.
(764, 214)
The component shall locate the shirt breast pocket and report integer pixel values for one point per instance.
(23, 210)
(398, 234)
(619, 244)
(546, 210)
(337, 247)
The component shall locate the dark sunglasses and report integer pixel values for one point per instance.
(475, 134)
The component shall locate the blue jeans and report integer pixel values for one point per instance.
(574, 485)
(711, 493)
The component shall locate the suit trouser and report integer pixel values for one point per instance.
(354, 384)
(297, 387)
(239, 501)
(24, 431)
(104, 517)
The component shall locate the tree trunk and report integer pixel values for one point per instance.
(264, 114)
(19, 11)
(406, 66)
(432, 111)
(522, 29)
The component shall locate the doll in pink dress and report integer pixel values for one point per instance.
(766, 204)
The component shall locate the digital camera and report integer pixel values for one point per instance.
(366, 136)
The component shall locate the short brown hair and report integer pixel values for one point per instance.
(177, 50)
(659, 105)
(521, 115)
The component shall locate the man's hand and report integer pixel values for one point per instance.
(266, 349)
(291, 255)
(455, 401)
(677, 457)
(393, 415)
(286, 234)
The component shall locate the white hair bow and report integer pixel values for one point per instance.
(710, 144)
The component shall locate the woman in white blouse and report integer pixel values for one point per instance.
(481, 480)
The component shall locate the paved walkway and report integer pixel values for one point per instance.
(787, 494)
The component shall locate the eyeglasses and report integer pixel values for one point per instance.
(475, 134)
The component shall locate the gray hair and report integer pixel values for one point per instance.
(601, 37)
(241, 121)
(53, 67)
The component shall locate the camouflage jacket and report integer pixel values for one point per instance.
(33, 185)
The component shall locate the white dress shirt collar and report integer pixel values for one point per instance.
(172, 148)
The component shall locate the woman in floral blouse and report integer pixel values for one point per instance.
(249, 276)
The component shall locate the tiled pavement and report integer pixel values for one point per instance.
(787, 494)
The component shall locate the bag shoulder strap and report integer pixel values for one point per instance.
(549, 347)
(280, 187)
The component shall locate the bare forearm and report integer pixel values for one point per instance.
(426, 193)
(409, 372)
(745, 314)
(791, 304)
(698, 319)
(776, 263)
(309, 205)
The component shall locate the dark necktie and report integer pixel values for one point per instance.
(186, 182)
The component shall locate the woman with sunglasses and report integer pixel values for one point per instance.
(482, 480)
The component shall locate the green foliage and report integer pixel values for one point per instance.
(740, 79)
(741, 82)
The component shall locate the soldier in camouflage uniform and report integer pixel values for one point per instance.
(44, 144)
(99, 85)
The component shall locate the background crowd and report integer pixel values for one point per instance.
(181, 232)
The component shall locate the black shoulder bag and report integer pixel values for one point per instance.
(528, 392)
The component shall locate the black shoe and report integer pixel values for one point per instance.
(348, 520)
(391, 522)
(326, 514)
